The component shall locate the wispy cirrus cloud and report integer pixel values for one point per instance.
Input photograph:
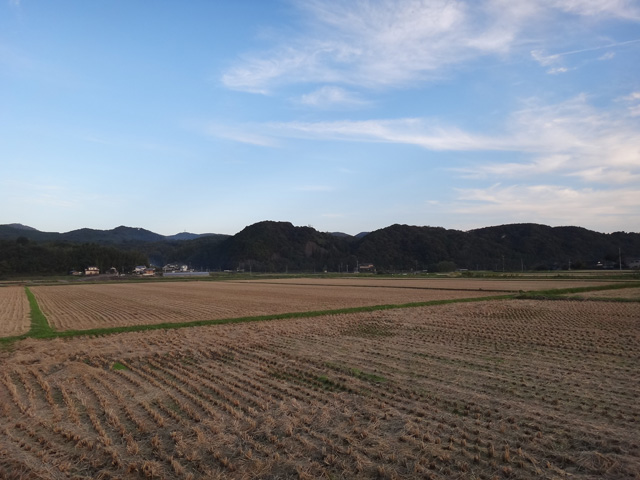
(331, 96)
(623, 9)
(409, 131)
(379, 43)
(393, 43)
(550, 204)
(571, 138)
(245, 134)
(555, 61)
(633, 102)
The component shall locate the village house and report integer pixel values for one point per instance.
(92, 271)
(174, 267)
(149, 272)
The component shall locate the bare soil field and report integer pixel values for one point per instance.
(627, 293)
(73, 307)
(499, 389)
(497, 285)
(14, 311)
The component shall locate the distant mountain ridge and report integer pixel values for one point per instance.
(271, 246)
(117, 235)
(19, 226)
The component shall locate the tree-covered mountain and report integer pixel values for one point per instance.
(280, 246)
(118, 235)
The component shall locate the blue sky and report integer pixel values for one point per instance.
(207, 116)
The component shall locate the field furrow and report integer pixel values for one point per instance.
(507, 389)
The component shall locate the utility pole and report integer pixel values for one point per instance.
(619, 259)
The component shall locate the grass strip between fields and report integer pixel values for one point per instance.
(40, 327)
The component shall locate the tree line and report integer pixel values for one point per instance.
(25, 257)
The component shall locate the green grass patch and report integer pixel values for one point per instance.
(369, 377)
(40, 327)
(328, 383)
(119, 366)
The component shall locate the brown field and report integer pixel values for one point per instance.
(72, 307)
(14, 312)
(497, 389)
(456, 283)
(627, 293)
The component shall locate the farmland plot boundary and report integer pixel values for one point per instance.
(41, 329)
(47, 332)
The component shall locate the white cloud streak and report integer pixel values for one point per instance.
(331, 96)
(378, 43)
(554, 60)
(633, 101)
(393, 43)
(551, 204)
(571, 138)
(622, 9)
(239, 134)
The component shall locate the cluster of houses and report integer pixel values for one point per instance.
(139, 270)
(87, 271)
(633, 264)
(144, 271)
(174, 268)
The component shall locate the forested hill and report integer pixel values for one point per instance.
(280, 246)
(118, 235)
(509, 247)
